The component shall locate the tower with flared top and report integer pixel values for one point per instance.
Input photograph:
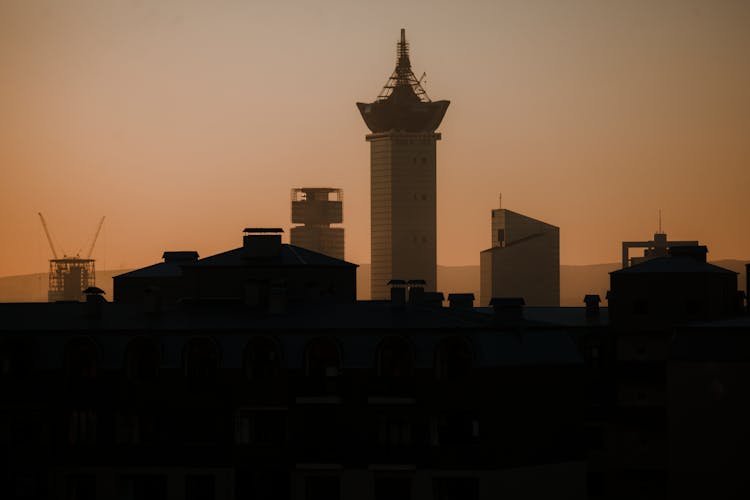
(403, 141)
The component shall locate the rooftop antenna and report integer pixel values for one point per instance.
(660, 221)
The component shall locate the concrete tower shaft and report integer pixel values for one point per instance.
(403, 193)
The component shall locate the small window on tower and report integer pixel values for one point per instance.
(424, 159)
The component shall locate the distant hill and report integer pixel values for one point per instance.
(575, 282)
(33, 287)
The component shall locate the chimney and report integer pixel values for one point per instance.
(508, 309)
(461, 300)
(592, 305)
(94, 301)
(695, 252)
(180, 256)
(398, 292)
(262, 242)
(416, 291)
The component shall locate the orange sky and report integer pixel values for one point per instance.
(185, 121)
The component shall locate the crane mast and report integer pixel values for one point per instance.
(49, 237)
(96, 235)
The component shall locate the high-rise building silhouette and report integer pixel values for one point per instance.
(524, 260)
(317, 209)
(403, 141)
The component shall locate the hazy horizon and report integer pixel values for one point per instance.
(184, 122)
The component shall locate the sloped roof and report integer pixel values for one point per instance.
(673, 265)
(290, 255)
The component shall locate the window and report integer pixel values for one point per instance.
(136, 429)
(261, 359)
(201, 360)
(322, 488)
(455, 488)
(322, 358)
(395, 358)
(454, 430)
(392, 487)
(142, 360)
(501, 237)
(394, 431)
(143, 487)
(15, 358)
(81, 487)
(82, 427)
(260, 427)
(253, 482)
(200, 487)
(640, 306)
(80, 360)
(453, 359)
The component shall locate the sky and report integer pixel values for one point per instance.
(183, 122)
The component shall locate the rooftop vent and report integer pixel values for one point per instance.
(592, 305)
(262, 241)
(461, 300)
(94, 300)
(697, 252)
(180, 256)
(416, 291)
(398, 292)
(508, 309)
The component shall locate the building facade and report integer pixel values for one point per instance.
(403, 189)
(524, 260)
(215, 401)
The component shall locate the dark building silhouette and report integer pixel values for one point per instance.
(524, 260)
(316, 209)
(649, 303)
(676, 288)
(217, 400)
(264, 272)
(658, 247)
(403, 141)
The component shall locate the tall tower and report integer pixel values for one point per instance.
(403, 121)
(317, 209)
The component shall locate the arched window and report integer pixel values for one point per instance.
(395, 358)
(15, 358)
(142, 360)
(322, 358)
(201, 359)
(262, 359)
(453, 358)
(81, 359)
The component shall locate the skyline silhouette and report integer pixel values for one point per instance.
(593, 116)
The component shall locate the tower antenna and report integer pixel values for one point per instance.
(660, 221)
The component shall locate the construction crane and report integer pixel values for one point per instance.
(49, 237)
(70, 275)
(96, 235)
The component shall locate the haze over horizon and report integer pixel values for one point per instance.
(184, 122)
